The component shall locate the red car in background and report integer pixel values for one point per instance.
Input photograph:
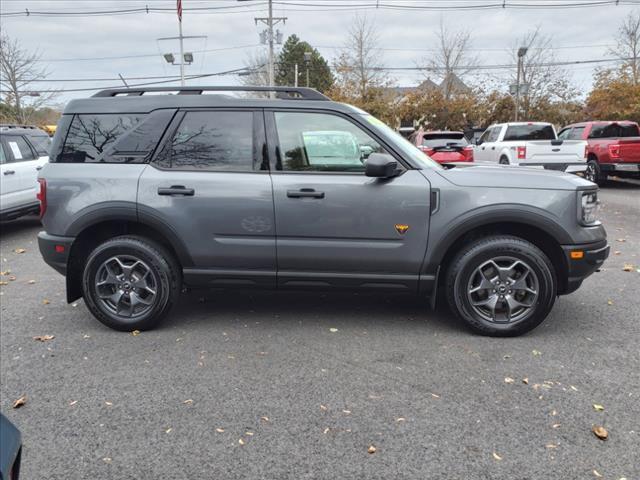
(443, 146)
(613, 148)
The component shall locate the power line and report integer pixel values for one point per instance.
(341, 5)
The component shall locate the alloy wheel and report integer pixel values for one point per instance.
(503, 290)
(125, 286)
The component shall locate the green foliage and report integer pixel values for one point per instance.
(293, 50)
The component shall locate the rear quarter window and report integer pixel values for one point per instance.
(41, 143)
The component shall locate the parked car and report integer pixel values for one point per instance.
(445, 147)
(531, 144)
(613, 148)
(10, 450)
(23, 152)
(146, 194)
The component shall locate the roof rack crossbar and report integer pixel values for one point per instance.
(285, 93)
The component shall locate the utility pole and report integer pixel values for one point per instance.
(181, 43)
(295, 81)
(522, 51)
(270, 38)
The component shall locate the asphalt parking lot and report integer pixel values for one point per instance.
(301, 385)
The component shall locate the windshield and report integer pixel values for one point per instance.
(402, 144)
(442, 140)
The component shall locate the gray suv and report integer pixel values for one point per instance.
(150, 191)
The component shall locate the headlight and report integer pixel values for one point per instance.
(588, 208)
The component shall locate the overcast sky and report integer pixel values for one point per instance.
(75, 48)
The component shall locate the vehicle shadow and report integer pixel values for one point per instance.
(292, 307)
(19, 225)
(621, 184)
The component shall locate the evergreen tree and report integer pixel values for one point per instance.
(292, 53)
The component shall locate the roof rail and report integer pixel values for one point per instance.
(15, 125)
(283, 93)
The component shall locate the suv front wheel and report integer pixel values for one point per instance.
(130, 283)
(501, 286)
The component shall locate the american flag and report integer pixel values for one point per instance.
(179, 5)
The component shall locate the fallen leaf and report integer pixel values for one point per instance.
(326, 430)
(241, 442)
(20, 250)
(509, 380)
(556, 425)
(597, 474)
(600, 432)
(135, 333)
(598, 407)
(554, 413)
(322, 407)
(20, 402)
(249, 433)
(609, 302)
(525, 381)
(627, 267)
(12, 278)
(44, 338)
(266, 419)
(4, 283)
(220, 430)
(106, 459)
(435, 396)
(72, 403)
(400, 419)
(617, 252)
(536, 353)
(31, 282)
(168, 430)
(371, 449)
(551, 445)
(333, 330)
(108, 404)
(573, 388)
(188, 401)
(496, 456)
(621, 240)
(46, 301)
(346, 411)
(3, 273)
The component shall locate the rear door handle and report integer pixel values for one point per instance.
(304, 193)
(174, 190)
(39, 168)
(9, 172)
(493, 148)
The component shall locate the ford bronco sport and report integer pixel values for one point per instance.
(149, 192)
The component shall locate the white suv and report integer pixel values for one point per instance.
(24, 150)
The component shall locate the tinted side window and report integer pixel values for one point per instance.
(629, 130)
(19, 148)
(322, 142)
(214, 140)
(611, 130)
(3, 158)
(576, 133)
(529, 132)
(564, 134)
(485, 135)
(90, 135)
(494, 134)
(41, 143)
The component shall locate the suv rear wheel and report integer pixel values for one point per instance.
(130, 283)
(501, 286)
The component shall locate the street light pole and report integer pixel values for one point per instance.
(181, 52)
(522, 51)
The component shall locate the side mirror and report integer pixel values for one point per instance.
(479, 141)
(380, 165)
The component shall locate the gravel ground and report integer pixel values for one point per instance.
(301, 385)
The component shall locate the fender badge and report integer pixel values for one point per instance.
(402, 229)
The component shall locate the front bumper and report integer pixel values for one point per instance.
(55, 250)
(591, 257)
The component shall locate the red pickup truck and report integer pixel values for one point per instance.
(613, 148)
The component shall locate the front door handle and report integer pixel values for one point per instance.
(482, 148)
(304, 193)
(174, 190)
(493, 148)
(9, 172)
(39, 168)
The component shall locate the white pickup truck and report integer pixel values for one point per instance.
(530, 144)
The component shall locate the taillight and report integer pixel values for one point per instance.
(614, 150)
(468, 154)
(522, 153)
(42, 196)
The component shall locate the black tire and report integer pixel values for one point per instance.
(163, 278)
(504, 160)
(465, 268)
(594, 172)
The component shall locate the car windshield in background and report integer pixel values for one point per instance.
(529, 132)
(442, 139)
(401, 143)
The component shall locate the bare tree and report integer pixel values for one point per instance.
(359, 67)
(628, 45)
(452, 59)
(257, 73)
(19, 69)
(546, 83)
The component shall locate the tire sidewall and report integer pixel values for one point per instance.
(528, 253)
(159, 269)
